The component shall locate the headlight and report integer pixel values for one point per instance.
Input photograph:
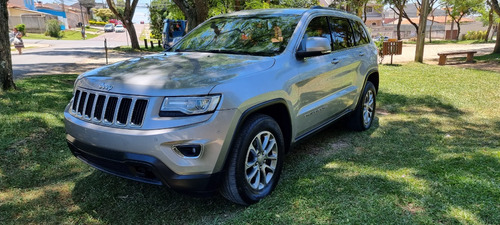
(182, 106)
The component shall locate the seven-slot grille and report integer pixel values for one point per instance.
(109, 109)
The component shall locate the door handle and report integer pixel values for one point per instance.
(335, 61)
(361, 53)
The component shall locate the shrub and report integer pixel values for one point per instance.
(99, 23)
(475, 35)
(21, 28)
(53, 28)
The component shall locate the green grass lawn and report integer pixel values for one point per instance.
(432, 157)
(66, 35)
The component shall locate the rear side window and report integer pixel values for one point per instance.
(341, 33)
(360, 35)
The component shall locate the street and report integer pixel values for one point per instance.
(61, 56)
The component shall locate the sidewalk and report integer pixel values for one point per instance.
(431, 52)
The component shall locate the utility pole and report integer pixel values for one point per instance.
(83, 22)
(419, 51)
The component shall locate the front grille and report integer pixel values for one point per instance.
(109, 109)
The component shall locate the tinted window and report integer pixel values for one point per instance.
(318, 27)
(341, 33)
(360, 33)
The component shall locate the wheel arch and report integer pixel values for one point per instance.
(276, 109)
(373, 76)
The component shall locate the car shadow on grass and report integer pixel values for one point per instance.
(111, 199)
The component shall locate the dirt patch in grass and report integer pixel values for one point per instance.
(489, 66)
(412, 209)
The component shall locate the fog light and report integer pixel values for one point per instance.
(189, 151)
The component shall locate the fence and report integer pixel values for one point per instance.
(35, 23)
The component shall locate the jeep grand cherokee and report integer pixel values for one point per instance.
(219, 109)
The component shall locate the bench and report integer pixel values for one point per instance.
(443, 55)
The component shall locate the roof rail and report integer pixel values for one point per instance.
(333, 9)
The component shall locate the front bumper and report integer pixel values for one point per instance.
(149, 155)
(143, 168)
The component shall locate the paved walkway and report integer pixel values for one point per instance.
(431, 52)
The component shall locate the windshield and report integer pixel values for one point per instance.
(259, 35)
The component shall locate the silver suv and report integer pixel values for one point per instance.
(219, 110)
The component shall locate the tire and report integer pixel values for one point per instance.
(255, 161)
(362, 117)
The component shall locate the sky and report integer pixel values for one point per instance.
(141, 12)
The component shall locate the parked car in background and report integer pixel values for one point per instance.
(173, 30)
(109, 27)
(119, 28)
(219, 110)
(382, 38)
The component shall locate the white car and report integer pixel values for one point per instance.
(119, 28)
(109, 27)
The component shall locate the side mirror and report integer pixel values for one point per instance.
(315, 46)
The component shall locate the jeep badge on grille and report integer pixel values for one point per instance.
(105, 87)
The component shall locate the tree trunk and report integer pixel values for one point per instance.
(364, 11)
(132, 34)
(490, 24)
(237, 5)
(400, 20)
(458, 30)
(6, 75)
(195, 11)
(452, 24)
(126, 18)
(496, 8)
(497, 43)
(419, 51)
(430, 28)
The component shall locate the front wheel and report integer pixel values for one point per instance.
(255, 161)
(362, 117)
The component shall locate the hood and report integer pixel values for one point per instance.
(185, 73)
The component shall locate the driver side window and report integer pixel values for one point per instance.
(318, 27)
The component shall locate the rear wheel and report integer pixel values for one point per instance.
(255, 161)
(363, 115)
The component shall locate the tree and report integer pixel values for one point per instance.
(418, 4)
(494, 5)
(160, 10)
(126, 14)
(104, 14)
(398, 7)
(6, 75)
(195, 11)
(488, 17)
(419, 51)
(457, 9)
